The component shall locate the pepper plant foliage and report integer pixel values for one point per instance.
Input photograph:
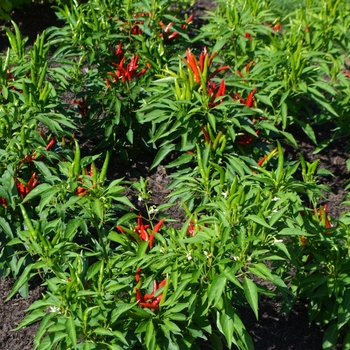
(133, 77)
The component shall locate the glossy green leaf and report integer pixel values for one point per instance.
(251, 293)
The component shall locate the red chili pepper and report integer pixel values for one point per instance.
(249, 102)
(151, 240)
(149, 306)
(119, 51)
(119, 228)
(202, 57)
(261, 161)
(139, 296)
(211, 58)
(138, 274)
(148, 296)
(247, 67)
(190, 231)
(303, 241)
(159, 225)
(222, 89)
(3, 201)
(50, 144)
(143, 234)
(157, 299)
(81, 191)
(237, 96)
(193, 65)
(245, 140)
(205, 133)
(212, 75)
(161, 284)
(155, 286)
(277, 27)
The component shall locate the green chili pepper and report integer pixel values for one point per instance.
(32, 73)
(94, 174)
(105, 166)
(200, 163)
(100, 278)
(28, 222)
(25, 92)
(280, 164)
(165, 291)
(76, 168)
(23, 135)
(42, 76)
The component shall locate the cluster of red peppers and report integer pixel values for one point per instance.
(275, 28)
(246, 138)
(143, 230)
(167, 34)
(125, 72)
(29, 158)
(203, 65)
(200, 69)
(173, 35)
(149, 301)
(246, 69)
(23, 189)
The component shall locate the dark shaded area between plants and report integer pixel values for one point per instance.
(272, 330)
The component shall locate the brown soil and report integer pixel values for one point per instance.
(272, 330)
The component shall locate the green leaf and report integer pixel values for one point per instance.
(51, 340)
(126, 218)
(283, 248)
(47, 197)
(259, 221)
(330, 337)
(262, 271)
(6, 227)
(228, 327)
(346, 342)
(70, 328)
(31, 318)
(277, 215)
(308, 131)
(117, 237)
(44, 325)
(72, 227)
(119, 309)
(216, 289)
(251, 293)
(121, 337)
(97, 208)
(103, 331)
(37, 191)
(162, 153)
(171, 326)
(264, 99)
(25, 277)
(150, 336)
(292, 231)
